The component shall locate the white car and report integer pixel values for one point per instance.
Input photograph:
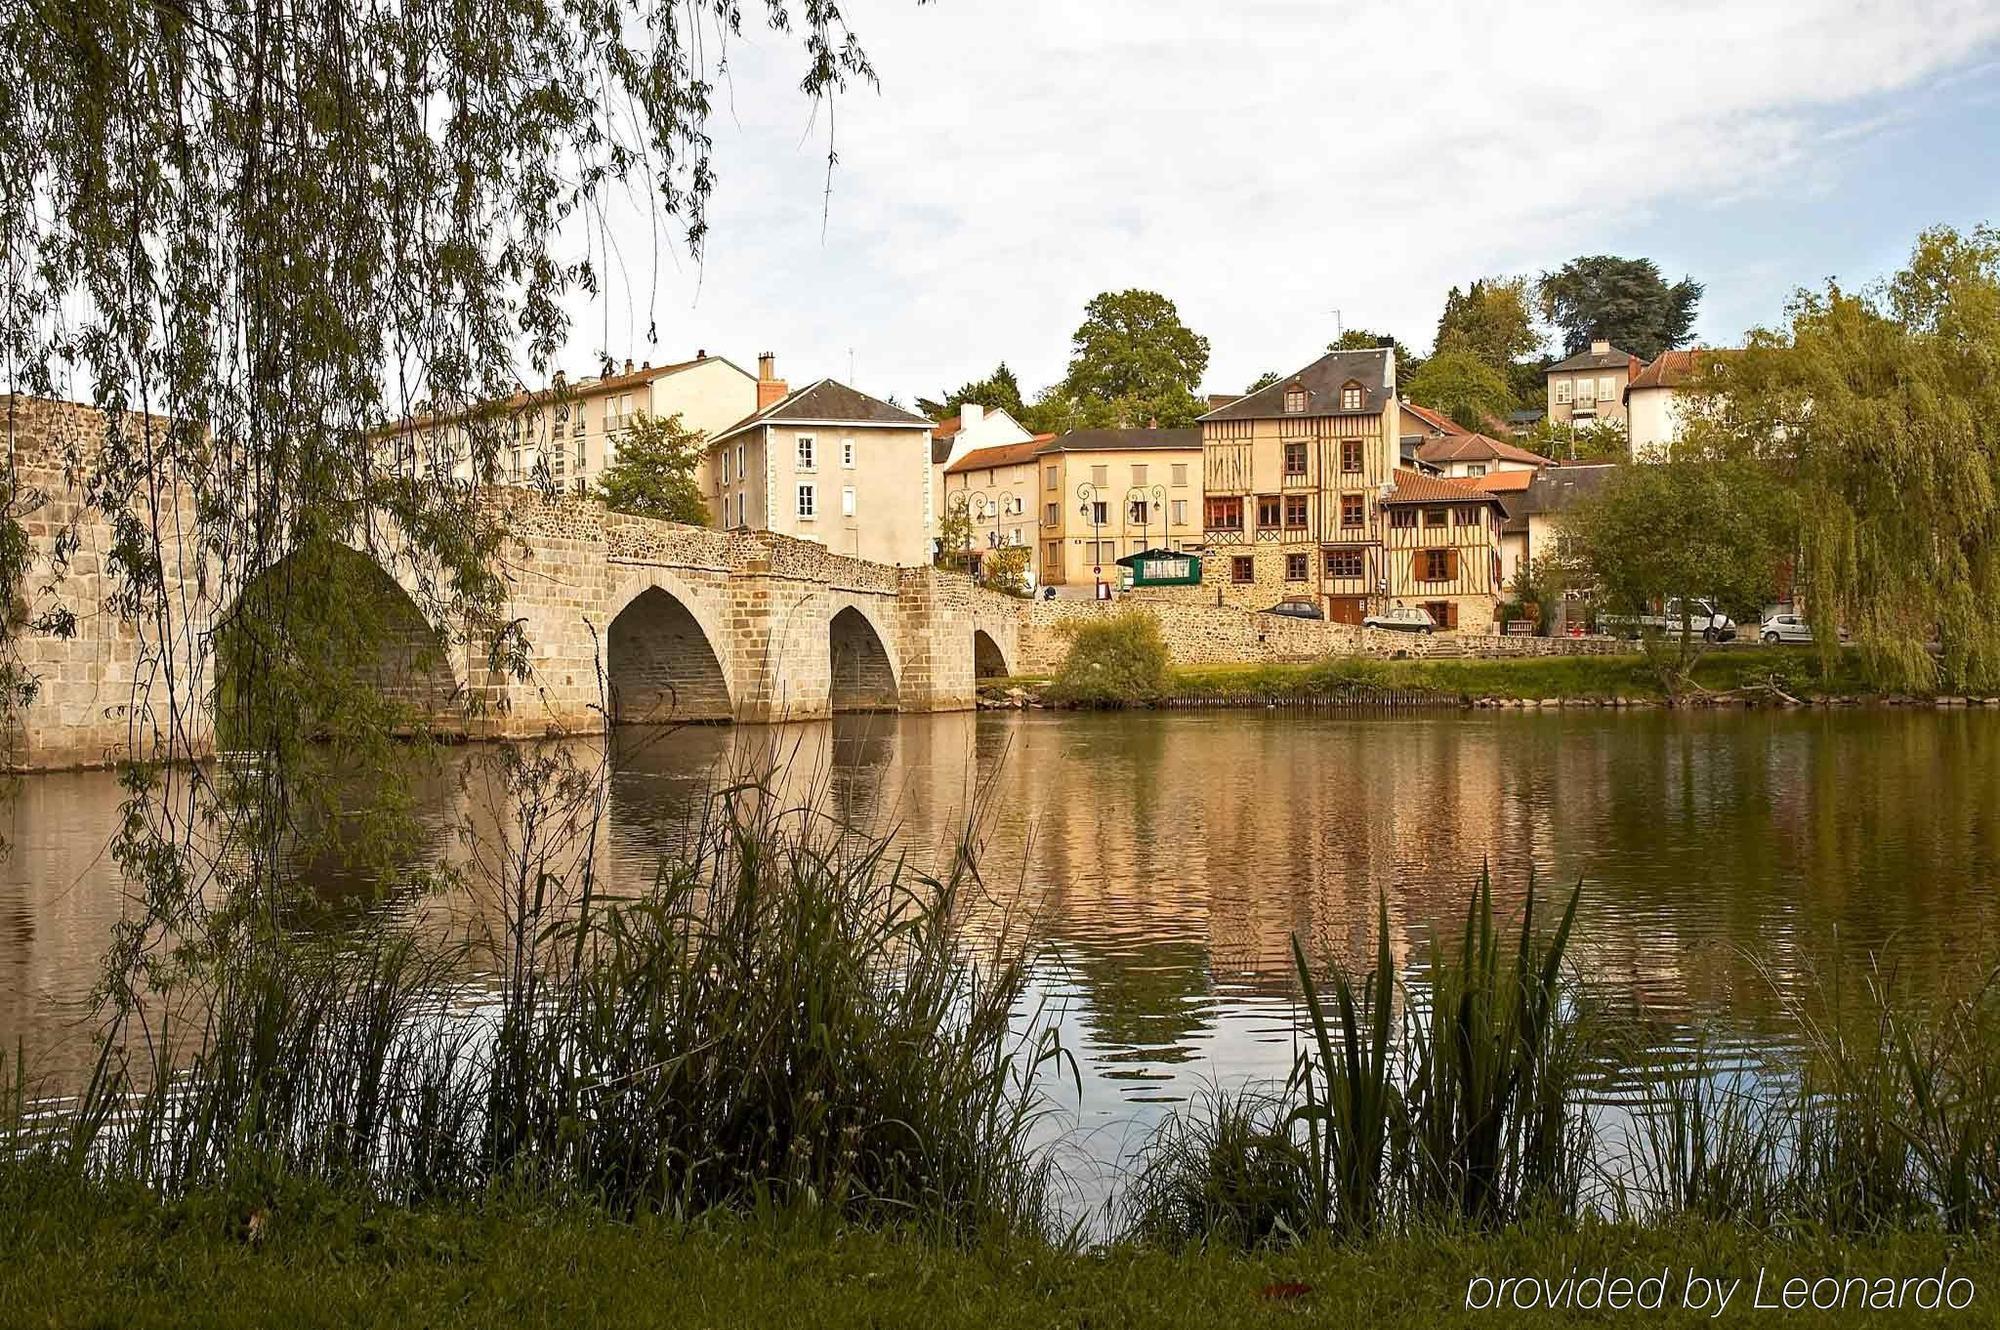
(1402, 619)
(1785, 628)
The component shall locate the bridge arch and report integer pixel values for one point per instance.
(661, 661)
(320, 617)
(861, 675)
(989, 659)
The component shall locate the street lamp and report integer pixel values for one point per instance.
(1157, 498)
(1089, 508)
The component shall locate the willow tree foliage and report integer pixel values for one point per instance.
(260, 236)
(1883, 407)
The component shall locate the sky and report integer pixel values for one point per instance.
(1285, 168)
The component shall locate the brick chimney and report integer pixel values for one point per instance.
(771, 389)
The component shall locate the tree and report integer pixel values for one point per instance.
(1133, 362)
(998, 391)
(955, 535)
(1492, 320)
(1364, 339)
(1686, 529)
(1883, 406)
(653, 474)
(1578, 441)
(1462, 386)
(1625, 301)
(1261, 382)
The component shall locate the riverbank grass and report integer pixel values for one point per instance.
(76, 1256)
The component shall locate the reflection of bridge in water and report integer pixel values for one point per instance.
(625, 618)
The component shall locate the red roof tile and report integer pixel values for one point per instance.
(1416, 487)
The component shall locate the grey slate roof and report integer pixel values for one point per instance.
(1105, 440)
(1555, 488)
(830, 401)
(1612, 359)
(1322, 380)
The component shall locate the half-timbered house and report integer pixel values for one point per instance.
(1442, 549)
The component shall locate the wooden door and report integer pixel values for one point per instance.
(1347, 609)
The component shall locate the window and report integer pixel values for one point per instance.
(1051, 557)
(742, 509)
(1467, 515)
(1350, 455)
(1242, 569)
(1100, 513)
(740, 472)
(1100, 475)
(1295, 459)
(1436, 565)
(1562, 392)
(1350, 397)
(1295, 511)
(1353, 510)
(847, 453)
(1049, 478)
(1343, 563)
(725, 466)
(1444, 613)
(1225, 514)
(576, 425)
(805, 452)
(847, 501)
(1051, 514)
(1138, 512)
(1436, 516)
(1295, 401)
(1297, 568)
(1402, 518)
(1180, 473)
(805, 502)
(1180, 512)
(1269, 511)
(1138, 473)
(1586, 391)
(1606, 389)
(1476, 469)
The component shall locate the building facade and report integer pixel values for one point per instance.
(1102, 494)
(996, 490)
(1470, 456)
(1656, 401)
(1295, 475)
(1590, 386)
(563, 436)
(1442, 550)
(829, 464)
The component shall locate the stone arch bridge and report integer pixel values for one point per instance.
(627, 620)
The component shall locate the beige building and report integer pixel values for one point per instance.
(996, 489)
(826, 463)
(1470, 456)
(1533, 528)
(1590, 386)
(565, 435)
(1102, 494)
(1295, 475)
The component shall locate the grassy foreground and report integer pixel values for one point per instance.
(71, 1258)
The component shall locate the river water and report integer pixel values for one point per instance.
(1163, 861)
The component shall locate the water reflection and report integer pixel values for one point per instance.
(1164, 861)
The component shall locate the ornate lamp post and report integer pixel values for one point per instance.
(1088, 508)
(1148, 499)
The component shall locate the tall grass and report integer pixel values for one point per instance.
(1457, 1106)
(789, 1018)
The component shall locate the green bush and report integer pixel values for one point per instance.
(1119, 661)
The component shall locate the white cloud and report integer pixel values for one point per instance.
(1263, 163)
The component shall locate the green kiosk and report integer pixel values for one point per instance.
(1161, 568)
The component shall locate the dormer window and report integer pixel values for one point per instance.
(1295, 401)
(1350, 396)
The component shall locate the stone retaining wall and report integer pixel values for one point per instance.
(1223, 635)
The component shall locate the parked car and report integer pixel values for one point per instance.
(1298, 607)
(1403, 619)
(1708, 623)
(1785, 628)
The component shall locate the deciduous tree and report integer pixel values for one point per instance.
(998, 391)
(1133, 362)
(653, 472)
(1490, 318)
(1462, 386)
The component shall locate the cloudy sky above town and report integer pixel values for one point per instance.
(1266, 163)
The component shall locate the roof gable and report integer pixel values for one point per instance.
(829, 402)
(1371, 369)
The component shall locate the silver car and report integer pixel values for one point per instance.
(1403, 619)
(1785, 628)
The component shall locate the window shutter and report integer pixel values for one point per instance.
(1451, 611)
(1451, 565)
